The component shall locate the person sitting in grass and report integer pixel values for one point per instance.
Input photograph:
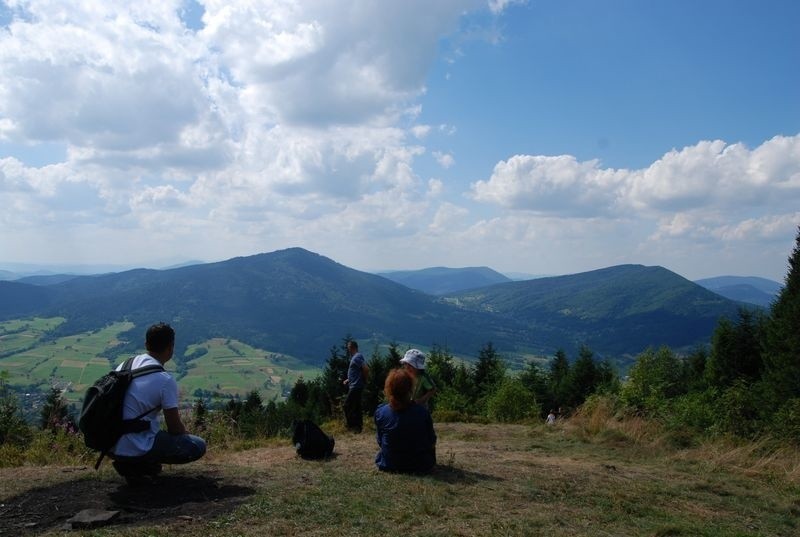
(404, 428)
(138, 455)
(424, 387)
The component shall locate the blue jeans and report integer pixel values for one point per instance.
(171, 449)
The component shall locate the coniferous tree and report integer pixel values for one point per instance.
(535, 381)
(489, 370)
(200, 414)
(582, 377)
(300, 392)
(332, 378)
(13, 429)
(782, 336)
(559, 379)
(54, 414)
(694, 370)
(379, 367)
(735, 350)
(440, 366)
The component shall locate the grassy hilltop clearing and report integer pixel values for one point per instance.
(591, 475)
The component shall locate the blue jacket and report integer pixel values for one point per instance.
(406, 438)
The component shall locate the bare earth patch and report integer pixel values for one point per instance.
(178, 497)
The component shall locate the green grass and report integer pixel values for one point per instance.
(491, 480)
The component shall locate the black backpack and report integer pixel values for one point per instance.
(101, 415)
(310, 441)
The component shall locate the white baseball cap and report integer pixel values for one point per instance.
(414, 358)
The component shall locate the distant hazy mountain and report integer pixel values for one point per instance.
(6, 275)
(751, 289)
(48, 279)
(443, 280)
(613, 310)
(300, 303)
(519, 276)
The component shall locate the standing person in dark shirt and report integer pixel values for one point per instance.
(404, 429)
(357, 373)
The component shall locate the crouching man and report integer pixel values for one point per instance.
(138, 456)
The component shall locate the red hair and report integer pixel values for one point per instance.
(397, 388)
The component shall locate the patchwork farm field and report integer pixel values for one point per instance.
(222, 367)
(230, 367)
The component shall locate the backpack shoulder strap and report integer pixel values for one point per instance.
(146, 370)
(127, 365)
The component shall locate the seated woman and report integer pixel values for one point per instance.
(405, 429)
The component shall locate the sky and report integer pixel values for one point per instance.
(542, 137)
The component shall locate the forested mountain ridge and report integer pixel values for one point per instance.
(617, 308)
(300, 303)
(444, 280)
(291, 301)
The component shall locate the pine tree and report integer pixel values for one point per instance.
(54, 413)
(489, 370)
(535, 381)
(440, 366)
(559, 379)
(782, 337)
(200, 414)
(13, 429)
(736, 350)
(582, 377)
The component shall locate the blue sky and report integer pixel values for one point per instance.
(546, 137)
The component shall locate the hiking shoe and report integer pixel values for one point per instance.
(141, 480)
(123, 468)
(137, 471)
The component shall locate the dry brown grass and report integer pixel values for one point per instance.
(592, 475)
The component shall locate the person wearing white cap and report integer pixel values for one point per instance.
(424, 387)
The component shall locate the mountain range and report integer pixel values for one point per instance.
(750, 289)
(300, 303)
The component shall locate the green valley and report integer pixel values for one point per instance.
(217, 368)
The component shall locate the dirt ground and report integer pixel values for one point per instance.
(187, 495)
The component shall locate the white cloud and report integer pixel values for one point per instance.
(552, 185)
(320, 64)
(283, 122)
(709, 176)
(445, 160)
(420, 131)
(435, 188)
(717, 174)
(448, 217)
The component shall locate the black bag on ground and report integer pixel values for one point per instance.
(310, 441)
(101, 415)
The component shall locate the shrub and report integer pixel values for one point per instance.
(696, 411)
(786, 421)
(450, 399)
(511, 402)
(737, 410)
